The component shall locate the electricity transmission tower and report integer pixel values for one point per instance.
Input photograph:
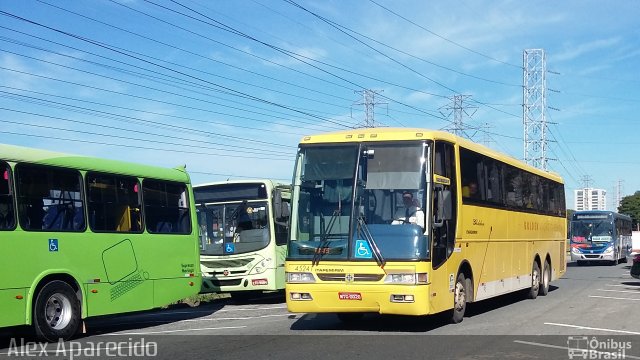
(457, 112)
(534, 108)
(618, 195)
(369, 102)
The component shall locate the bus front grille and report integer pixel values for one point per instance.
(347, 277)
(226, 264)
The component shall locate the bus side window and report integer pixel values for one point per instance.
(7, 213)
(114, 203)
(49, 198)
(166, 208)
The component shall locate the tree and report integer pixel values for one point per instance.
(630, 205)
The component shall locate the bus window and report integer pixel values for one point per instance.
(166, 207)
(114, 203)
(49, 198)
(7, 213)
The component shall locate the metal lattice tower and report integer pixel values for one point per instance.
(369, 102)
(618, 195)
(457, 113)
(534, 108)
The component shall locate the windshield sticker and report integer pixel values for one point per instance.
(363, 251)
(229, 248)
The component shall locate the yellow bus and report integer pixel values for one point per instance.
(417, 222)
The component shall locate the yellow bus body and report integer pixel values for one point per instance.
(499, 247)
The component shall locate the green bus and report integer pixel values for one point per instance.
(83, 236)
(243, 235)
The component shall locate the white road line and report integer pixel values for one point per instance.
(622, 291)
(604, 353)
(235, 318)
(173, 331)
(628, 286)
(195, 320)
(593, 328)
(212, 311)
(613, 298)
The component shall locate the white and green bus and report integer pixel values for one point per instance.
(83, 236)
(243, 235)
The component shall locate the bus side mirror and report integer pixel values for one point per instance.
(280, 207)
(443, 206)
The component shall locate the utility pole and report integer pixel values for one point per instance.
(618, 195)
(457, 113)
(369, 102)
(534, 108)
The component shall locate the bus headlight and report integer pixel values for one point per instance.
(300, 277)
(576, 250)
(407, 279)
(609, 250)
(261, 267)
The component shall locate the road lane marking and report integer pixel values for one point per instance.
(622, 291)
(211, 311)
(593, 328)
(173, 331)
(611, 297)
(566, 348)
(235, 318)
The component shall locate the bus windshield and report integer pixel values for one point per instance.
(591, 230)
(233, 228)
(352, 200)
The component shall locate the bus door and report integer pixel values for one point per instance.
(444, 185)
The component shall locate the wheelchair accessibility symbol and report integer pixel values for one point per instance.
(363, 251)
(229, 248)
(53, 245)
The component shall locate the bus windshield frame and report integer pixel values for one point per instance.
(347, 202)
(233, 218)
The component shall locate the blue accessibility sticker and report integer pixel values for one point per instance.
(229, 248)
(53, 244)
(363, 250)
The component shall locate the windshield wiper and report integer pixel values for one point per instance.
(324, 242)
(364, 230)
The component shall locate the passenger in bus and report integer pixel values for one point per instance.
(411, 213)
(470, 190)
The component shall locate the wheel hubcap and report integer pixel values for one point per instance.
(57, 311)
(459, 297)
(536, 279)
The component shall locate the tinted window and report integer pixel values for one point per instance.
(166, 207)
(114, 203)
(49, 198)
(7, 211)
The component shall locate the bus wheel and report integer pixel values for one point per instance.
(56, 313)
(546, 278)
(535, 281)
(350, 317)
(459, 299)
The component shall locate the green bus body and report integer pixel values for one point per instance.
(236, 260)
(110, 271)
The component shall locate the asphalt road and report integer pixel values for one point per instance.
(594, 308)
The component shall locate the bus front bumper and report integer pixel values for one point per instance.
(593, 257)
(335, 298)
(260, 282)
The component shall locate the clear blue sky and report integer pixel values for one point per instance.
(229, 87)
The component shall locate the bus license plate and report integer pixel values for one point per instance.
(349, 296)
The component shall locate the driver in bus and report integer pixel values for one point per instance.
(411, 213)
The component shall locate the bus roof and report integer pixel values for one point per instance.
(408, 134)
(14, 153)
(274, 183)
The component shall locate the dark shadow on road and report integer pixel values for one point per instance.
(395, 323)
(142, 319)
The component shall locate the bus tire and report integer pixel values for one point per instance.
(546, 278)
(459, 299)
(535, 281)
(56, 312)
